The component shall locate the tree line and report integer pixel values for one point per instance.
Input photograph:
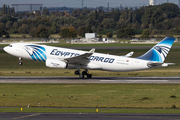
(161, 19)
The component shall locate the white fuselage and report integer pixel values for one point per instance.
(105, 61)
(96, 60)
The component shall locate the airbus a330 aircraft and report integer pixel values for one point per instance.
(58, 57)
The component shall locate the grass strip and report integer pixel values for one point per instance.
(147, 96)
(88, 110)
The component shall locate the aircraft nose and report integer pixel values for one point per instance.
(6, 49)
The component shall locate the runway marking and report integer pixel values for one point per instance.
(135, 80)
(27, 116)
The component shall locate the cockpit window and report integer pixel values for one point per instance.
(10, 45)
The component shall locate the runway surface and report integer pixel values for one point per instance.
(113, 80)
(87, 116)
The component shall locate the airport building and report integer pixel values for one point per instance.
(27, 7)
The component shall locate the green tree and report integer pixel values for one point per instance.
(15, 25)
(76, 12)
(9, 25)
(157, 17)
(12, 11)
(82, 31)
(125, 33)
(53, 28)
(4, 9)
(145, 33)
(109, 34)
(2, 29)
(24, 29)
(108, 23)
(45, 12)
(146, 17)
(38, 13)
(32, 32)
(7, 18)
(72, 32)
(96, 15)
(42, 32)
(88, 29)
(8, 10)
(66, 32)
(85, 12)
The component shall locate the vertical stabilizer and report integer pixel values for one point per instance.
(159, 52)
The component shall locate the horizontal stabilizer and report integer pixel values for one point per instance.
(129, 54)
(170, 63)
(158, 64)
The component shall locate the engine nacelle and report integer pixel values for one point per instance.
(53, 63)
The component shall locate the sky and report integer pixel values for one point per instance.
(88, 3)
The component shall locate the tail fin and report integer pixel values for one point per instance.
(159, 52)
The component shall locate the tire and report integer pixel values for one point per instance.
(84, 73)
(89, 76)
(20, 63)
(76, 72)
(81, 76)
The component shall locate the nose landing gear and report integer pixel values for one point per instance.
(20, 61)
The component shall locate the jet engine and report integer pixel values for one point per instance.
(53, 63)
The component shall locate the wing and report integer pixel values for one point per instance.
(81, 59)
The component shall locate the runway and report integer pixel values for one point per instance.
(95, 80)
(87, 116)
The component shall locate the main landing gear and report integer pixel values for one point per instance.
(20, 61)
(85, 72)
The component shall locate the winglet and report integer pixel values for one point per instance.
(129, 54)
(92, 50)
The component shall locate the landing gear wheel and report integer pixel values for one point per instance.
(20, 63)
(84, 73)
(76, 72)
(89, 76)
(81, 76)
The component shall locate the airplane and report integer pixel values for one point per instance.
(58, 57)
